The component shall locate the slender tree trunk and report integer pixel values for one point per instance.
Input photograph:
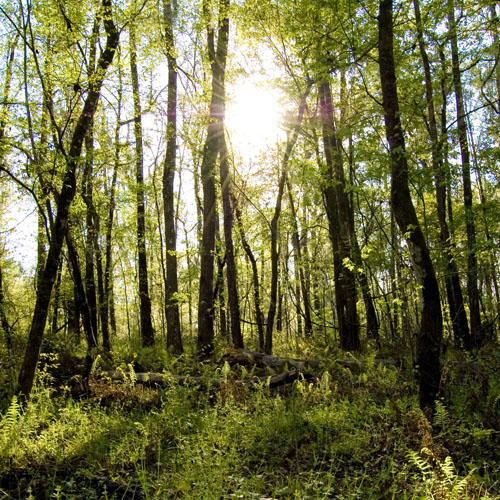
(491, 278)
(90, 286)
(453, 288)
(80, 296)
(372, 324)
(431, 326)
(3, 122)
(219, 291)
(108, 312)
(338, 219)
(147, 332)
(259, 317)
(57, 297)
(3, 316)
(300, 265)
(83, 307)
(101, 296)
(231, 273)
(279, 313)
(48, 275)
(190, 280)
(74, 317)
(472, 287)
(88, 197)
(215, 130)
(174, 339)
(292, 139)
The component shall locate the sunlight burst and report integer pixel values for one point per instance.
(253, 117)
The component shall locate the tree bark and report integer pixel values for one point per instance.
(215, 130)
(453, 288)
(174, 338)
(299, 265)
(88, 198)
(219, 289)
(431, 327)
(102, 306)
(90, 286)
(231, 272)
(57, 297)
(337, 207)
(146, 325)
(48, 275)
(3, 316)
(108, 312)
(472, 287)
(80, 295)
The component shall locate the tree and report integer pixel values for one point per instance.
(232, 275)
(66, 195)
(290, 144)
(453, 287)
(147, 332)
(431, 327)
(215, 130)
(174, 339)
(472, 288)
(338, 212)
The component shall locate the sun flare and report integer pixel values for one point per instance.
(253, 117)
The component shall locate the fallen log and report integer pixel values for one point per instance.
(290, 369)
(244, 357)
(149, 378)
(160, 379)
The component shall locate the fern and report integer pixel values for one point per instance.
(442, 481)
(423, 465)
(442, 417)
(459, 489)
(448, 469)
(8, 426)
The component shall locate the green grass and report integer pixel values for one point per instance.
(348, 436)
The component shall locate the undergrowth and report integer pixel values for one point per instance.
(348, 435)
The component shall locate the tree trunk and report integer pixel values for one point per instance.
(108, 312)
(147, 332)
(90, 287)
(219, 290)
(292, 139)
(372, 323)
(57, 297)
(338, 218)
(73, 309)
(3, 122)
(88, 198)
(80, 295)
(431, 327)
(231, 273)
(453, 288)
(492, 275)
(3, 316)
(299, 265)
(215, 130)
(472, 288)
(259, 317)
(48, 275)
(174, 339)
(101, 296)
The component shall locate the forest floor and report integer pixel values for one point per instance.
(347, 434)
